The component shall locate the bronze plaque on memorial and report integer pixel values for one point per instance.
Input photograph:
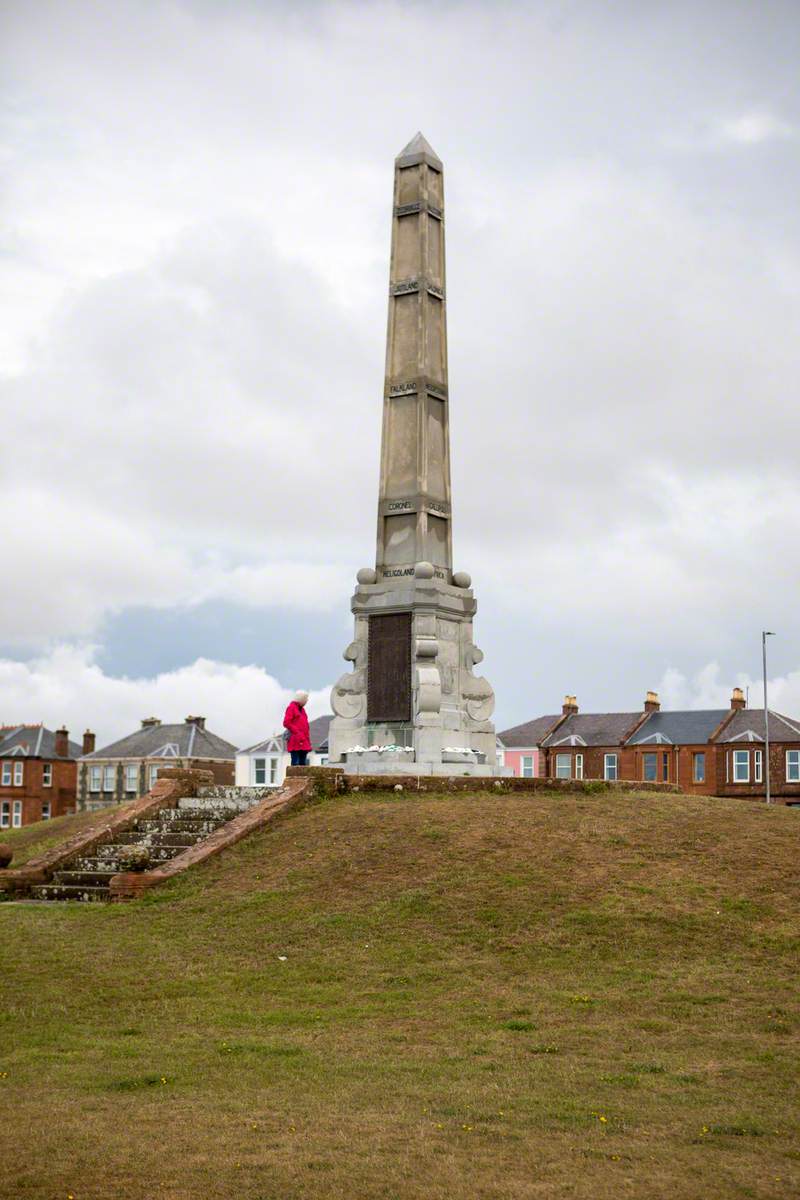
(389, 667)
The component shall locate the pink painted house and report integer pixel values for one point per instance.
(520, 744)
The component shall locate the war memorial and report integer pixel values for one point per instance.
(411, 703)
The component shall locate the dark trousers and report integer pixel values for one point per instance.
(299, 758)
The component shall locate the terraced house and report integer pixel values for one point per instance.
(38, 773)
(129, 767)
(715, 752)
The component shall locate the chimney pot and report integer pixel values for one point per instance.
(150, 722)
(200, 722)
(652, 703)
(88, 742)
(737, 699)
(62, 743)
(570, 706)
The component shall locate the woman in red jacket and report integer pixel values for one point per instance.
(296, 722)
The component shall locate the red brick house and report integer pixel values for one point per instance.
(714, 752)
(521, 745)
(740, 747)
(38, 774)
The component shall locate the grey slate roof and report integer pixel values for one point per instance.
(318, 732)
(32, 741)
(747, 725)
(168, 741)
(593, 729)
(693, 726)
(529, 734)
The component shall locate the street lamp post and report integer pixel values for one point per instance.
(765, 633)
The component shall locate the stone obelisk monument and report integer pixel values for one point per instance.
(412, 685)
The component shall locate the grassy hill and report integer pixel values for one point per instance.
(409, 997)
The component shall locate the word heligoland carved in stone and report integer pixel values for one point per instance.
(412, 686)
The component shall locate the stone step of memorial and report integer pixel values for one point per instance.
(151, 841)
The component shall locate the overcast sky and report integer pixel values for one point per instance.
(195, 234)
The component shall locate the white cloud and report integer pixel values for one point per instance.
(711, 688)
(754, 127)
(240, 703)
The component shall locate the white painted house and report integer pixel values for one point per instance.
(265, 763)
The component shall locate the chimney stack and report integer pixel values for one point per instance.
(200, 722)
(570, 706)
(88, 742)
(652, 703)
(150, 722)
(62, 743)
(737, 699)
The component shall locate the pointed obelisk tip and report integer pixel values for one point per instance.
(419, 146)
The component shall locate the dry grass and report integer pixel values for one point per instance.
(478, 996)
(35, 839)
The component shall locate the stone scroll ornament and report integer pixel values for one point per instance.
(349, 694)
(477, 691)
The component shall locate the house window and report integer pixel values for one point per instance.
(665, 766)
(109, 779)
(609, 766)
(16, 819)
(5, 814)
(699, 767)
(45, 810)
(273, 770)
(18, 771)
(131, 777)
(649, 767)
(758, 766)
(153, 775)
(260, 771)
(527, 766)
(579, 766)
(793, 766)
(47, 775)
(94, 779)
(6, 774)
(741, 766)
(563, 766)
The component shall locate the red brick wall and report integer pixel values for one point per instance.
(33, 793)
(779, 787)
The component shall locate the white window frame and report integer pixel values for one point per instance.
(19, 774)
(579, 766)
(16, 815)
(109, 773)
(611, 767)
(131, 774)
(697, 756)
(47, 774)
(45, 810)
(95, 777)
(6, 777)
(260, 768)
(526, 765)
(152, 775)
(5, 814)
(562, 761)
(741, 759)
(273, 769)
(758, 766)
(793, 766)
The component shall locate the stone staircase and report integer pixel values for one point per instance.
(162, 835)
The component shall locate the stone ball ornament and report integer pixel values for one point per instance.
(367, 575)
(462, 579)
(424, 570)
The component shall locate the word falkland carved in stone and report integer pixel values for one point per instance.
(412, 691)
